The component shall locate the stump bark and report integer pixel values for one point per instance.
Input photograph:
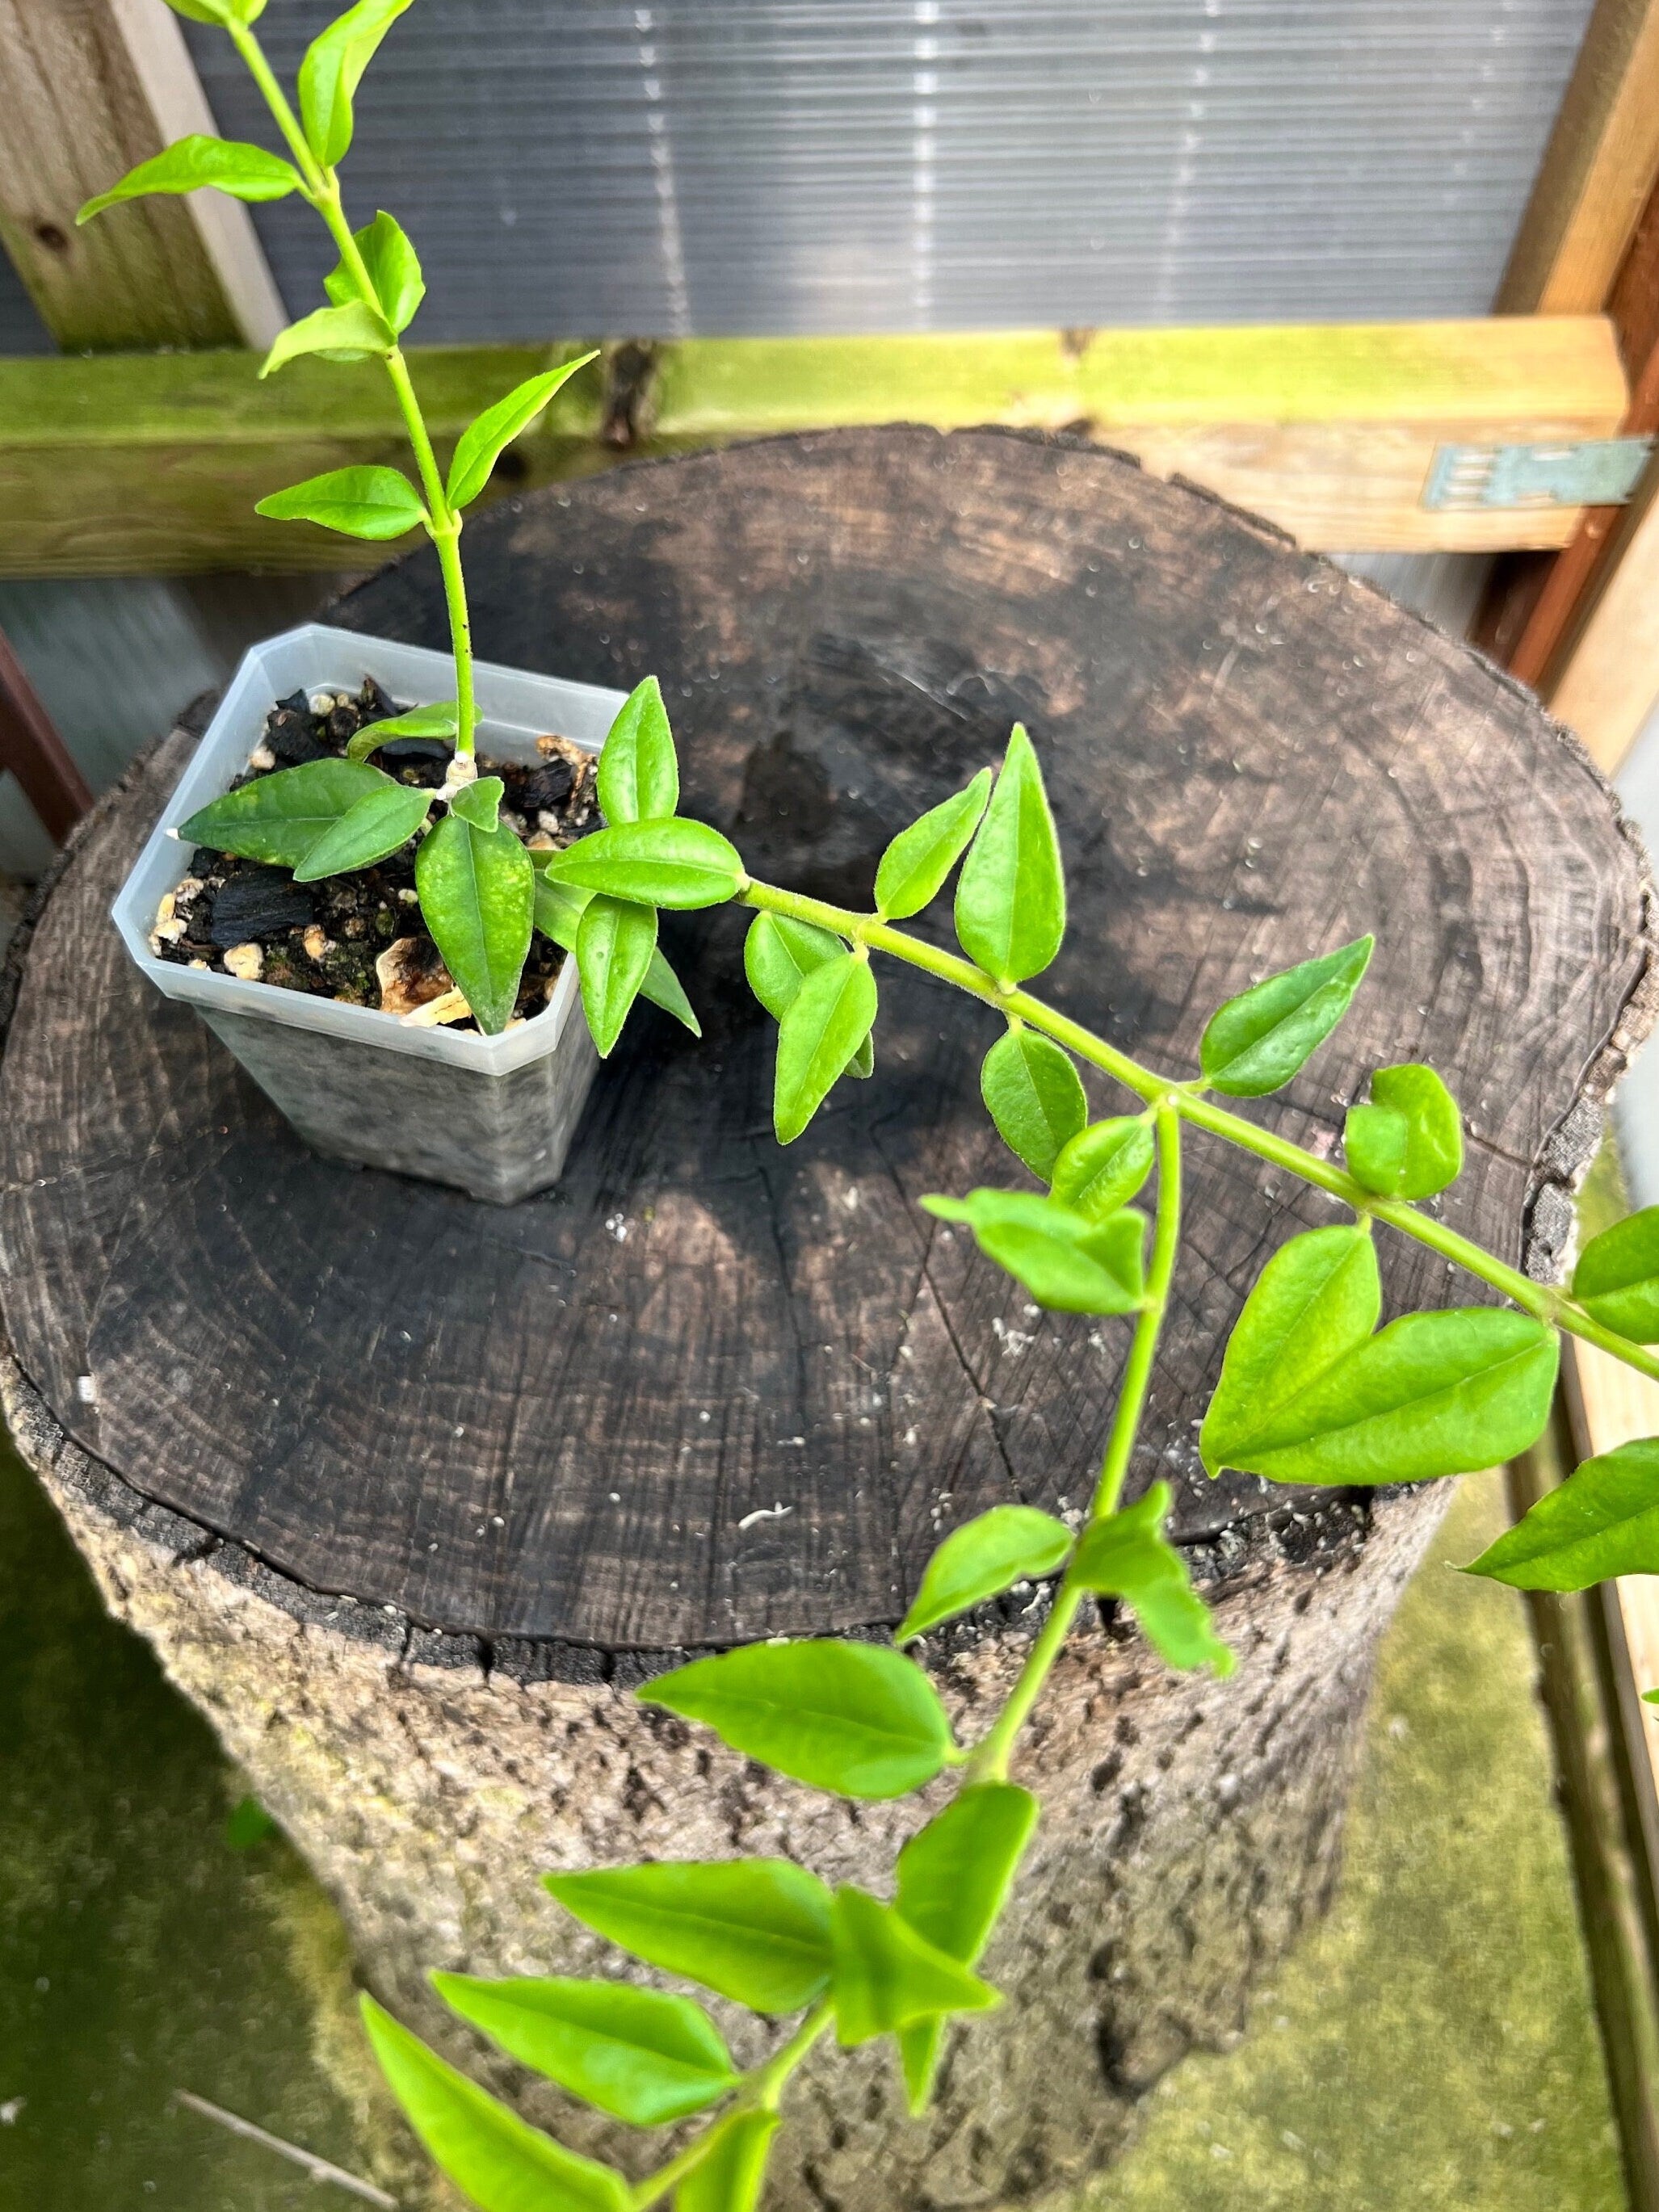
(410, 1492)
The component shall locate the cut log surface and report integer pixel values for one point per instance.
(408, 1489)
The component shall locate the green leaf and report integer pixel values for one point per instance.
(954, 1876)
(1103, 1166)
(278, 818)
(638, 2054)
(754, 1930)
(1127, 1556)
(1408, 1142)
(1034, 1094)
(1258, 1040)
(823, 1027)
(345, 333)
(377, 825)
(439, 721)
(861, 1719)
(673, 864)
(333, 69)
(478, 895)
(1319, 1297)
(886, 1975)
(986, 1556)
(558, 914)
(615, 943)
(493, 2156)
(1011, 894)
(481, 442)
(639, 775)
(730, 2177)
(915, 866)
(394, 270)
(1067, 1263)
(779, 953)
(361, 502)
(1617, 1279)
(480, 803)
(1308, 1394)
(1603, 1521)
(247, 172)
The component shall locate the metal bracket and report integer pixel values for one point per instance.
(1592, 472)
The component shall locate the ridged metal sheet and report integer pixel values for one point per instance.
(724, 166)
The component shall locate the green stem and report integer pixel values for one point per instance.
(761, 2091)
(990, 1760)
(1544, 1303)
(443, 523)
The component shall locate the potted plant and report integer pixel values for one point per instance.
(346, 884)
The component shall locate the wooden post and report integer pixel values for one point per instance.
(1597, 170)
(35, 753)
(88, 89)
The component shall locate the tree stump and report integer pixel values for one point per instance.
(408, 1492)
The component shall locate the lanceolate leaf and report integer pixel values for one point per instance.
(639, 775)
(497, 2159)
(985, 1557)
(394, 271)
(1103, 1166)
(729, 2180)
(1617, 1278)
(915, 866)
(341, 333)
(1319, 1297)
(1067, 1263)
(754, 1930)
(1034, 1094)
(1602, 1521)
(886, 1975)
(376, 826)
(436, 722)
(1408, 1142)
(953, 1880)
(641, 2055)
(1011, 894)
(616, 943)
(779, 953)
(480, 443)
(247, 172)
(477, 895)
(375, 503)
(1258, 1040)
(1307, 1395)
(861, 1719)
(332, 70)
(673, 864)
(823, 1027)
(1127, 1556)
(558, 913)
(278, 818)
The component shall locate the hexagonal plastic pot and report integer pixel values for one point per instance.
(493, 1116)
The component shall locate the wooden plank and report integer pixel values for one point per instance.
(1600, 166)
(1610, 679)
(1329, 431)
(88, 89)
(1616, 1405)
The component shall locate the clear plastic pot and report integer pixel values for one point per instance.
(492, 1115)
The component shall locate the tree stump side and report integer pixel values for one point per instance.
(1190, 1829)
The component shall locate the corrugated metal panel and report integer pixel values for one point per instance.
(797, 164)
(21, 330)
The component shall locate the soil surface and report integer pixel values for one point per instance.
(359, 938)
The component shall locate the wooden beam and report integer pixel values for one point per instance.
(153, 463)
(1609, 682)
(88, 89)
(1600, 164)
